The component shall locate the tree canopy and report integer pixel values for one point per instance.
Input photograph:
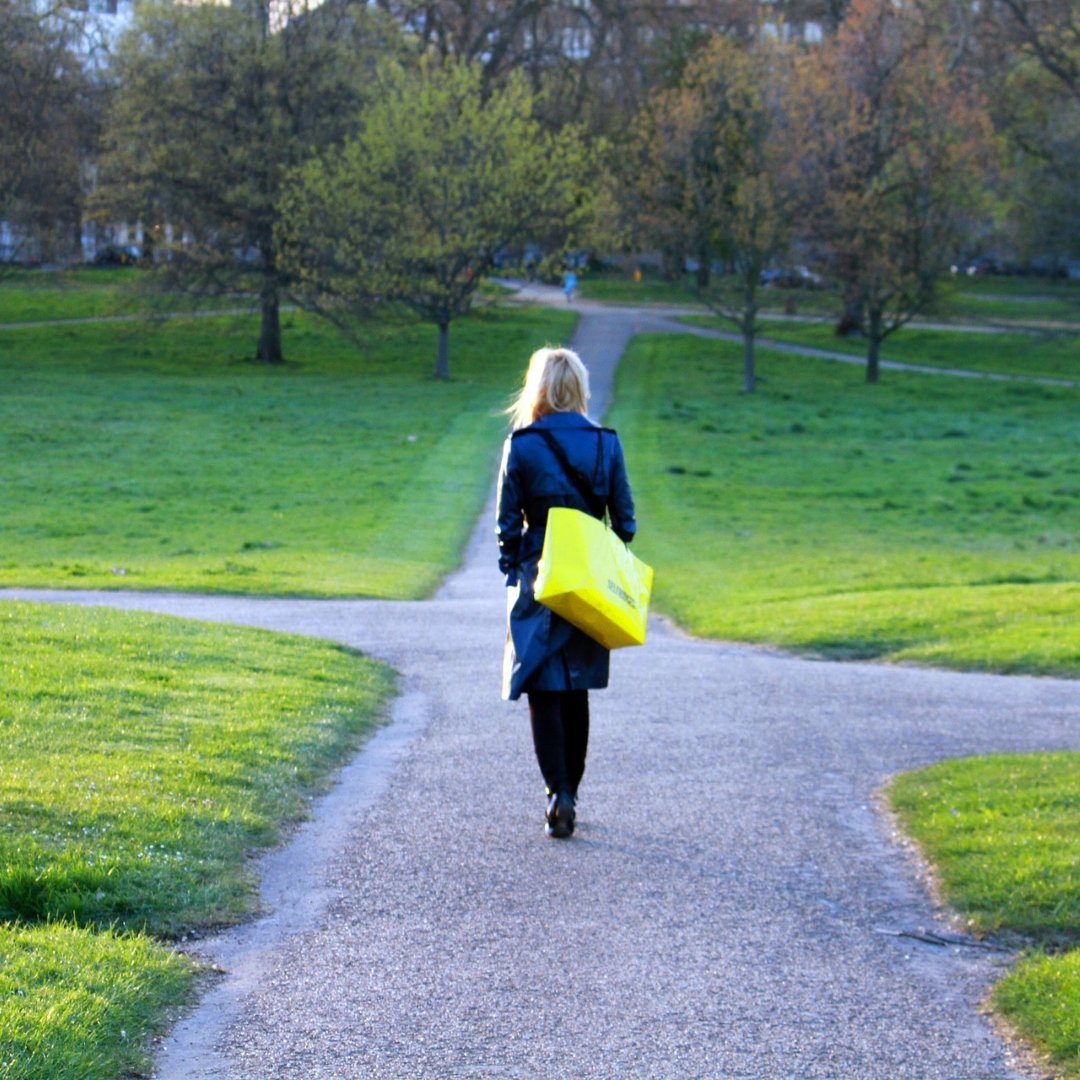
(46, 123)
(213, 106)
(892, 146)
(710, 180)
(414, 208)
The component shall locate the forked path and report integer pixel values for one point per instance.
(732, 905)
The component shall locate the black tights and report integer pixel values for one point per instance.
(560, 728)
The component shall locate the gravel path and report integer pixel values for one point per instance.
(732, 905)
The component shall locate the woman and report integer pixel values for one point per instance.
(555, 456)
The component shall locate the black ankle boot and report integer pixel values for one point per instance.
(560, 815)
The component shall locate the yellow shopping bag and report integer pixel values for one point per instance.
(590, 577)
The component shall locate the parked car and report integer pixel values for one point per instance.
(118, 255)
(792, 277)
(982, 264)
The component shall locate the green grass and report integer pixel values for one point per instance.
(980, 300)
(991, 298)
(1041, 1000)
(145, 756)
(1003, 834)
(926, 519)
(145, 759)
(619, 287)
(92, 292)
(1046, 354)
(1020, 286)
(156, 456)
(35, 295)
(80, 1005)
(57, 294)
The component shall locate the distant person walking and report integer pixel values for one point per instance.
(546, 658)
(569, 285)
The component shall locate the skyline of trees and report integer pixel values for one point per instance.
(911, 135)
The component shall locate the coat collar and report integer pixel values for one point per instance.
(564, 420)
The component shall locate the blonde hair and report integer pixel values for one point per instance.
(556, 381)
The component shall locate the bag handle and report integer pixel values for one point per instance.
(597, 504)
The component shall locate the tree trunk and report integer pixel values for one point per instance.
(269, 351)
(442, 358)
(703, 267)
(873, 346)
(749, 379)
(749, 330)
(672, 263)
(851, 322)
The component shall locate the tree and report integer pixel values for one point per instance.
(415, 208)
(710, 180)
(753, 220)
(1041, 126)
(892, 147)
(44, 123)
(213, 105)
(591, 62)
(678, 180)
(1047, 31)
(1029, 54)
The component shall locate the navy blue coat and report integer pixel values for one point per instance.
(543, 651)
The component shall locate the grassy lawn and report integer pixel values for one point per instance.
(619, 287)
(30, 295)
(78, 1004)
(35, 295)
(992, 297)
(157, 457)
(926, 519)
(1003, 834)
(91, 292)
(145, 759)
(979, 300)
(1047, 354)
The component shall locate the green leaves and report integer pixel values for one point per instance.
(212, 109)
(442, 175)
(894, 147)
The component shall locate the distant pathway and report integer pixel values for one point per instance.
(733, 905)
(654, 317)
(665, 318)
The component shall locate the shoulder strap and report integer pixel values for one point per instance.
(584, 486)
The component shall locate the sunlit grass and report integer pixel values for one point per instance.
(980, 300)
(145, 760)
(83, 293)
(1003, 834)
(145, 756)
(1048, 354)
(158, 457)
(1041, 999)
(927, 518)
(76, 1004)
